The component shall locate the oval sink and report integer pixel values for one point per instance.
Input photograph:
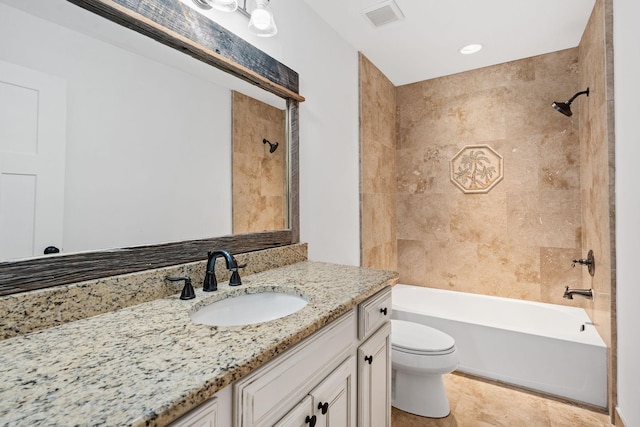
(248, 309)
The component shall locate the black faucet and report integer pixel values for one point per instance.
(210, 282)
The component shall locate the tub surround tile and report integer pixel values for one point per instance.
(597, 178)
(424, 170)
(489, 243)
(382, 256)
(378, 228)
(411, 261)
(556, 273)
(148, 364)
(478, 218)
(44, 308)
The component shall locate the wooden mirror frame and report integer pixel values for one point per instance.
(173, 23)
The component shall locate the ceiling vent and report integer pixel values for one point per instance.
(383, 13)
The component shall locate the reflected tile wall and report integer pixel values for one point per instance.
(518, 239)
(259, 177)
(378, 242)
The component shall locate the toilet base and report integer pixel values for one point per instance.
(422, 395)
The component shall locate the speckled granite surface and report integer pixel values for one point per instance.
(44, 308)
(148, 364)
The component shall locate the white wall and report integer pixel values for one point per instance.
(148, 145)
(329, 140)
(627, 112)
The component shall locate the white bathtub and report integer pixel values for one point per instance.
(550, 348)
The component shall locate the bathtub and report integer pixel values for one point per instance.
(544, 347)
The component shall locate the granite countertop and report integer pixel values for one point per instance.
(149, 364)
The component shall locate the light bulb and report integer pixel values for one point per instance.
(261, 19)
(262, 23)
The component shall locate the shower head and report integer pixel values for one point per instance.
(565, 107)
(272, 147)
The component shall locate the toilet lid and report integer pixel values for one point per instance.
(416, 338)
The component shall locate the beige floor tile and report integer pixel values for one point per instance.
(476, 403)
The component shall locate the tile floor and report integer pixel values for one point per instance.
(476, 403)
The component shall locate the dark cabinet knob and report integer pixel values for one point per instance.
(383, 311)
(369, 359)
(311, 420)
(324, 407)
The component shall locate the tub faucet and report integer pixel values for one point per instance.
(210, 282)
(569, 293)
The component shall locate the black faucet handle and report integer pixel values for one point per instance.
(187, 290)
(235, 279)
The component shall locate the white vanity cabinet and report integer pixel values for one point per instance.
(338, 377)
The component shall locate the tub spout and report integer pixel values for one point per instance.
(569, 293)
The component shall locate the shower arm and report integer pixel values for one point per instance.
(577, 95)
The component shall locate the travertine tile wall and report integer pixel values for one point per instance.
(597, 177)
(259, 177)
(518, 240)
(378, 244)
(556, 200)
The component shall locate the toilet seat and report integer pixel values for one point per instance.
(414, 338)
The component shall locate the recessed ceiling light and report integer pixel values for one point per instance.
(471, 48)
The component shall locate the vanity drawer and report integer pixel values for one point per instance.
(374, 312)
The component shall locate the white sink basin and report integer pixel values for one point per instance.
(247, 309)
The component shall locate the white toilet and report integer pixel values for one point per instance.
(420, 356)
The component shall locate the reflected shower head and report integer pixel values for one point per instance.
(272, 147)
(565, 107)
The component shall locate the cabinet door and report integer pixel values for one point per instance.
(334, 399)
(374, 380)
(300, 416)
(205, 415)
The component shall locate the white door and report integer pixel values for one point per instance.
(300, 416)
(334, 399)
(32, 160)
(374, 380)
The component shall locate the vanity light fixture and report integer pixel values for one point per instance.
(222, 5)
(471, 49)
(261, 22)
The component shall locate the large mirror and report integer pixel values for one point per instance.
(128, 142)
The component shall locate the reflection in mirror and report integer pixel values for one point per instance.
(259, 166)
(138, 136)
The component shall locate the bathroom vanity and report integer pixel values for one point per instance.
(150, 364)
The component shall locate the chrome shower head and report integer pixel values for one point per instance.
(272, 146)
(565, 107)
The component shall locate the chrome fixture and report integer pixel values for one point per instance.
(222, 5)
(187, 291)
(569, 293)
(590, 262)
(565, 107)
(261, 22)
(210, 281)
(272, 146)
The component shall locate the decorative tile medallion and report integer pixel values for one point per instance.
(476, 169)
